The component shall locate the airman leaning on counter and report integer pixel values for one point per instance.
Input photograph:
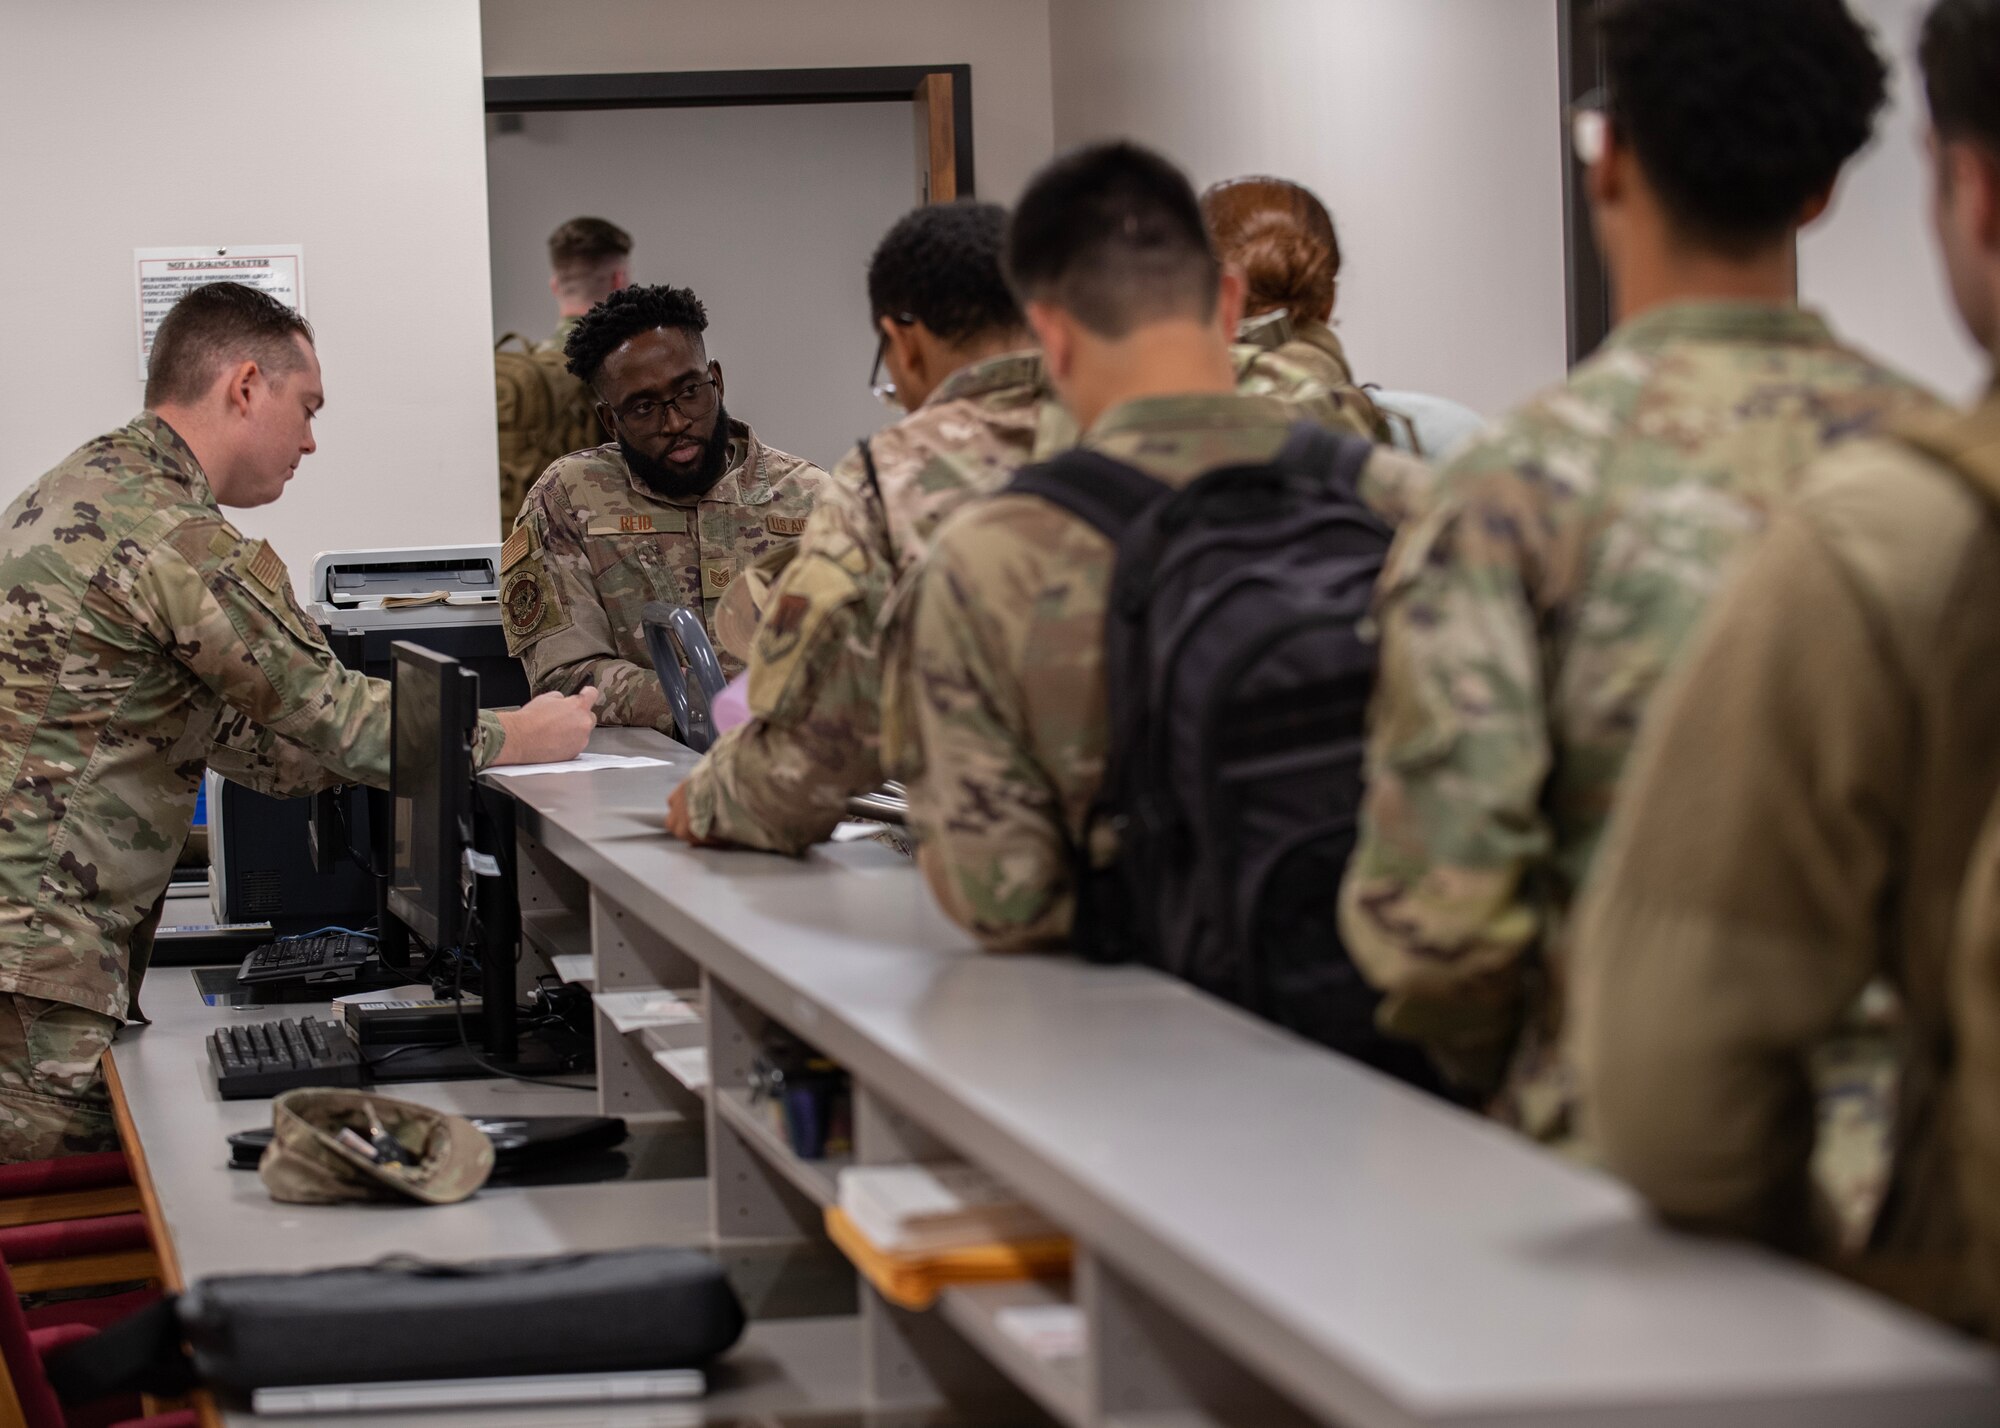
(147, 639)
(981, 406)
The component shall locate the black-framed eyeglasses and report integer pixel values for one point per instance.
(648, 413)
(885, 392)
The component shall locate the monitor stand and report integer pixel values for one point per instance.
(499, 1047)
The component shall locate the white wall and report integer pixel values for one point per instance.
(1005, 41)
(769, 213)
(1429, 127)
(1872, 264)
(130, 124)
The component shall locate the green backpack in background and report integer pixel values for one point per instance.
(545, 413)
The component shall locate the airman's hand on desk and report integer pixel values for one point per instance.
(680, 822)
(548, 729)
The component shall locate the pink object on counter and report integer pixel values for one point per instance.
(732, 706)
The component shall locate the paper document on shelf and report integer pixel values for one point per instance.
(582, 763)
(649, 1006)
(687, 1065)
(928, 1208)
(573, 966)
(1046, 1331)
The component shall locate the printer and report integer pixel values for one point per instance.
(287, 860)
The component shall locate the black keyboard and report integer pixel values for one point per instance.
(335, 957)
(263, 1058)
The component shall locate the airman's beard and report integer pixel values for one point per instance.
(675, 483)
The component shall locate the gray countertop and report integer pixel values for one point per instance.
(1379, 1254)
(1382, 1257)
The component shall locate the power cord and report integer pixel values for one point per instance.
(365, 861)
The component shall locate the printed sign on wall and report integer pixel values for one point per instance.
(164, 274)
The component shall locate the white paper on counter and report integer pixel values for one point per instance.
(582, 763)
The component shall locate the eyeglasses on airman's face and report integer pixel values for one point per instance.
(885, 392)
(647, 411)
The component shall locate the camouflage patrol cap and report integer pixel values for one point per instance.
(741, 608)
(311, 1162)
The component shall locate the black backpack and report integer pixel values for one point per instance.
(1238, 680)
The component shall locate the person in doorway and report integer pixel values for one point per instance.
(1528, 619)
(545, 412)
(147, 639)
(1799, 818)
(671, 509)
(589, 260)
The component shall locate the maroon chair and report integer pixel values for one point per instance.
(29, 1401)
(96, 1171)
(69, 1254)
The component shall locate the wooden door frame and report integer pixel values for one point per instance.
(708, 88)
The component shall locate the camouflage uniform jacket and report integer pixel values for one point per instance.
(1803, 813)
(1315, 350)
(1395, 490)
(146, 637)
(1525, 624)
(594, 545)
(995, 712)
(782, 780)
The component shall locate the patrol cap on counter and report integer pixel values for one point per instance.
(742, 604)
(329, 1146)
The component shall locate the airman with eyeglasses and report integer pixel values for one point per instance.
(680, 501)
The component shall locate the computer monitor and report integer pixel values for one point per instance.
(435, 704)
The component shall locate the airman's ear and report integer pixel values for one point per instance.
(1055, 330)
(240, 384)
(1229, 299)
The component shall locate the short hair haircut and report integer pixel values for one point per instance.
(1113, 235)
(1960, 56)
(214, 327)
(584, 251)
(1281, 237)
(624, 315)
(941, 265)
(1741, 111)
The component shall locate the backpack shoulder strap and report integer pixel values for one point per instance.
(1337, 458)
(1105, 494)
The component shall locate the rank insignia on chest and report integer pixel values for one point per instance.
(715, 578)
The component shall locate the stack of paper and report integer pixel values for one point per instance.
(926, 1209)
(648, 1006)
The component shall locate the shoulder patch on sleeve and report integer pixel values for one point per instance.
(801, 605)
(266, 568)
